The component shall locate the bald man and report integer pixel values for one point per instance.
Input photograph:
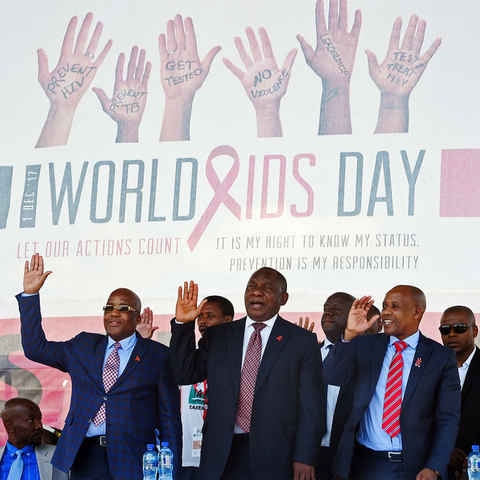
(406, 407)
(23, 422)
(110, 421)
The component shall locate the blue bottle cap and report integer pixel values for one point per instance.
(475, 447)
(150, 446)
(164, 444)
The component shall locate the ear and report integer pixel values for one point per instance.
(475, 331)
(228, 318)
(284, 298)
(417, 313)
(8, 427)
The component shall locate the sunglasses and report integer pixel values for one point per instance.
(457, 328)
(120, 308)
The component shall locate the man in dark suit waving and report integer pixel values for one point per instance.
(122, 387)
(266, 402)
(406, 406)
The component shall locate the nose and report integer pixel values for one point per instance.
(38, 424)
(452, 333)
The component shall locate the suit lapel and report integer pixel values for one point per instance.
(43, 462)
(278, 338)
(235, 348)
(419, 364)
(98, 357)
(473, 371)
(378, 355)
(138, 352)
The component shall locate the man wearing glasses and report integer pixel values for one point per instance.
(458, 330)
(122, 387)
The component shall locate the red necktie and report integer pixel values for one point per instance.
(249, 378)
(392, 405)
(109, 377)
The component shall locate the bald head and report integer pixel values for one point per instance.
(466, 313)
(12, 405)
(417, 297)
(402, 311)
(122, 324)
(23, 422)
(134, 300)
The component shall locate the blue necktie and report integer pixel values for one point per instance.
(17, 467)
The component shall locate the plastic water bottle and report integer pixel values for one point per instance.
(165, 463)
(150, 463)
(474, 464)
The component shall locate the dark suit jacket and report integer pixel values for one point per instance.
(430, 407)
(469, 430)
(288, 417)
(340, 417)
(144, 397)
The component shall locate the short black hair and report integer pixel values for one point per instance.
(225, 304)
(463, 309)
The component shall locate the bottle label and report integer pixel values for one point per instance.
(474, 464)
(149, 465)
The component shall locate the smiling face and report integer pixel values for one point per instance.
(335, 314)
(120, 325)
(402, 311)
(265, 294)
(23, 422)
(462, 343)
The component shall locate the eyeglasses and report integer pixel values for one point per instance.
(457, 328)
(120, 308)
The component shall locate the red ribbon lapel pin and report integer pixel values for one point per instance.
(418, 361)
(280, 338)
(137, 359)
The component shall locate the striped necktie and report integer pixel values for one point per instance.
(249, 378)
(392, 405)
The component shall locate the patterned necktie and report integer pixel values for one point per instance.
(249, 377)
(392, 405)
(17, 467)
(109, 377)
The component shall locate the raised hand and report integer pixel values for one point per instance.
(182, 74)
(399, 73)
(333, 60)
(34, 277)
(186, 309)
(306, 325)
(145, 326)
(66, 84)
(357, 322)
(264, 83)
(334, 55)
(127, 105)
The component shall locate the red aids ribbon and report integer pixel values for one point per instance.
(221, 192)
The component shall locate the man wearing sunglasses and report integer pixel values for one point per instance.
(122, 387)
(458, 330)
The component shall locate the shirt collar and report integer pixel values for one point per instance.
(268, 323)
(327, 342)
(126, 343)
(411, 341)
(467, 362)
(11, 449)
